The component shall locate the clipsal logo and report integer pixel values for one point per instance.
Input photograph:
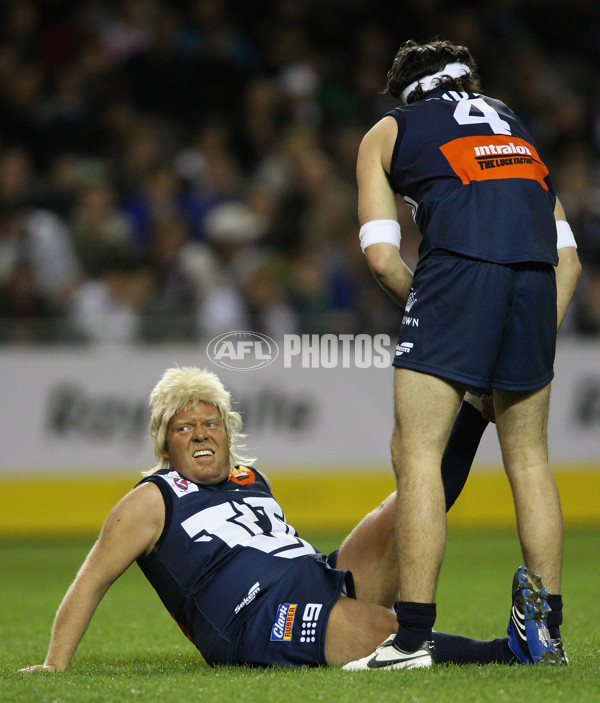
(403, 348)
(242, 350)
(249, 598)
(309, 621)
(284, 622)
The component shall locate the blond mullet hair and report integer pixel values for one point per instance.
(180, 387)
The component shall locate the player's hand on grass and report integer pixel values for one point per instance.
(38, 667)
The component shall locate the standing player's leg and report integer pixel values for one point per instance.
(528, 353)
(425, 410)
(522, 419)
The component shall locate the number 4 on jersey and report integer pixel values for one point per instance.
(484, 113)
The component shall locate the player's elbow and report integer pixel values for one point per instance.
(576, 267)
(383, 260)
(569, 263)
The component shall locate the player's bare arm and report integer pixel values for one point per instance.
(567, 271)
(131, 530)
(377, 202)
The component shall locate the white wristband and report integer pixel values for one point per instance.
(379, 232)
(564, 235)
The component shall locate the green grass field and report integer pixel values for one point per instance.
(134, 651)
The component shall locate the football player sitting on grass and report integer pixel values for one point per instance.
(207, 532)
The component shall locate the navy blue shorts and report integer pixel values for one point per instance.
(288, 623)
(479, 323)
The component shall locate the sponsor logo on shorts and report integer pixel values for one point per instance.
(407, 320)
(412, 299)
(282, 627)
(410, 321)
(404, 348)
(249, 598)
(310, 618)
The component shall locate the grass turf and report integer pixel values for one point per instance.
(134, 651)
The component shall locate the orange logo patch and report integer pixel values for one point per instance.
(242, 475)
(495, 157)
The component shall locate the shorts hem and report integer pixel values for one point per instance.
(522, 387)
(474, 381)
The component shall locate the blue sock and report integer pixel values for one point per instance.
(454, 649)
(555, 616)
(415, 621)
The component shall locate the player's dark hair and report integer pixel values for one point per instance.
(414, 61)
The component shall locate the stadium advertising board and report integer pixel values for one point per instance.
(67, 410)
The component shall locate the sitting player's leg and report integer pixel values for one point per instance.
(528, 642)
(369, 552)
(355, 628)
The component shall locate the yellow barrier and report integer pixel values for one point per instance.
(339, 501)
(68, 505)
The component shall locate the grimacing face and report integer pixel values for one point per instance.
(197, 445)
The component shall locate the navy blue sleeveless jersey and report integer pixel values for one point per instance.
(472, 174)
(223, 549)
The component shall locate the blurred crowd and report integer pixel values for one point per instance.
(173, 170)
